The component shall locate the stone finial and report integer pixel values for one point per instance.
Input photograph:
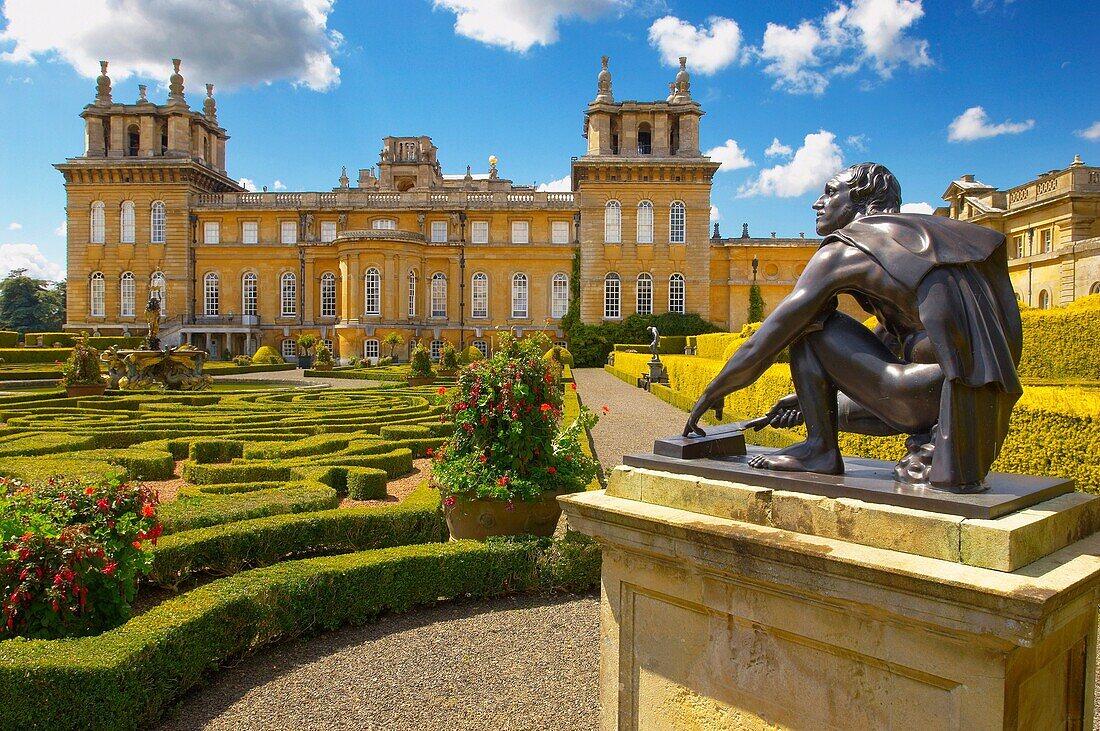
(773, 234)
(493, 167)
(801, 234)
(209, 106)
(344, 181)
(682, 92)
(1077, 162)
(469, 175)
(175, 83)
(603, 85)
(716, 235)
(744, 230)
(143, 90)
(671, 91)
(103, 86)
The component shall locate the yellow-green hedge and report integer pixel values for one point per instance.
(1062, 342)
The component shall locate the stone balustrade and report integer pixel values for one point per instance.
(353, 199)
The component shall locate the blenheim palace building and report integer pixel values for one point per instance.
(435, 257)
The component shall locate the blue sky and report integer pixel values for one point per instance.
(791, 90)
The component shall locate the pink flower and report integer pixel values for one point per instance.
(449, 501)
(509, 506)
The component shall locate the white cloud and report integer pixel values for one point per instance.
(708, 49)
(778, 149)
(714, 214)
(730, 155)
(229, 43)
(816, 161)
(920, 207)
(560, 185)
(974, 124)
(857, 142)
(248, 184)
(516, 25)
(867, 33)
(28, 256)
(62, 230)
(278, 185)
(1091, 134)
(15, 226)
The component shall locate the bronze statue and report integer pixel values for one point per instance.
(152, 317)
(655, 344)
(941, 364)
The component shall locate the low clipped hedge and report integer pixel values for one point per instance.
(128, 677)
(34, 355)
(29, 374)
(224, 368)
(9, 338)
(1062, 342)
(366, 483)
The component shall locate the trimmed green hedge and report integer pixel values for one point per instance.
(1061, 343)
(34, 355)
(31, 375)
(223, 368)
(9, 338)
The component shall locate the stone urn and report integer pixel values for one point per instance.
(480, 518)
(85, 389)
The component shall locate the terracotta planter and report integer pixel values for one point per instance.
(420, 380)
(448, 374)
(483, 517)
(85, 389)
(322, 367)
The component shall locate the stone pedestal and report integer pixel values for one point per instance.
(775, 610)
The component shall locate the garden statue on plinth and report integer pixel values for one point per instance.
(656, 367)
(940, 366)
(152, 317)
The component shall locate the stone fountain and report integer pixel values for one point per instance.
(175, 369)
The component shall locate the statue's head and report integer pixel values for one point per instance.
(861, 190)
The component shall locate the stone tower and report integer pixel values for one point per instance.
(643, 189)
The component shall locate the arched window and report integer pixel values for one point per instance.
(612, 306)
(1044, 300)
(288, 292)
(519, 295)
(559, 295)
(98, 224)
(645, 139)
(158, 223)
(133, 140)
(386, 224)
(249, 305)
(412, 293)
(158, 289)
(371, 349)
(290, 349)
(1095, 288)
(210, 294)
(126, 295)
(328, 295)
(436, 349)
(645, 222)
(612, 223)
(479, 295)
(439, 294)
(372, 292)
(676, 293)
(126, 222)
(677, 223)
(483, 346)
(96, 295)
(644, 300)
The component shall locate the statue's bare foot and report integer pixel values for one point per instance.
(802, 457)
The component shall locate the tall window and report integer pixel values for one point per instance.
(126, 222)
(127, 294)
(96, 295)
(1048, 240)
(645, 139)
(158, 289)
(520, 232)
(290, 349)
(676, 293)
(1019, 242)
(1044, 300)
(158, 223)
(436, 349)
(479, 296)
(372, 292)
(439, 232)
(98, 224)
(412, 293)
(248, 294)
(211, 232)
(288, 295)
(483, 346)
(644, 300)
(519, 295)
(559, 232)
(387, 224)
(250, 232)
(645, 222)
(479, 232)
(612, 307)
(371, 349)
(439, 294)
(559, 295)
(210, 294)
(612, 223)
(677, 223)
(328, 231)
(289, 231)
(328, 295)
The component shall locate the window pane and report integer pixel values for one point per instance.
(560, 232)
(328, 231)
(290, 349)
(479, 232)
(479, 296)
(328, 295)
(211, 294)
(519, 232)
(248, 292)
(412, 293)
(211, 232)
(436, 349)
(439, 232)
(612, 223)
(519, 295)
(97, 295)
(559, 296)
(289, 291)
(677, 220)
(611, 292)
(676, 293)
(483, 346)
(127, 222)
(372, 292)
(644, 304)
(439, 295)
(289, 232)
(645, 222)
(384, 223)
(370, 349)
(98, 233)
(158, 223)
(250, 232)
(126, 295)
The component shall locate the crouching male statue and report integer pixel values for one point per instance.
(941, 364)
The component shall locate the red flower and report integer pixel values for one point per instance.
(483, 459)
(545, 407)
(442, 390)
(110, 568)
(605, 409)
(429, 451)
(89, 491)
(103, 505)
(137, 545)
(449, 501)
(573, 386)
(27, 536)
(549, 378)
(148, 511)
(550, 470)
(503, 481)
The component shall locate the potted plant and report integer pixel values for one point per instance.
(509, 458)
(420, 366)
(393, 340)
(80, 373)
(323, 360)
(448, 360)
(305, 344)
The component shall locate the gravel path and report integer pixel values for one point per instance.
(636, 418)
(293, 378)
(508, 664)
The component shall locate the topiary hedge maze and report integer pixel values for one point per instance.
(265, 473)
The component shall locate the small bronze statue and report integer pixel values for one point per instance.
(940, 365)
(152, 317)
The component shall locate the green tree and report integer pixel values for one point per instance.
(756, 304)
(29, 305)
(393, 340)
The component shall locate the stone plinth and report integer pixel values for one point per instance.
(781, 611)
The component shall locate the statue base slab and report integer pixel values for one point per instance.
(743, 621)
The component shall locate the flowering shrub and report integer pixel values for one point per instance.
(420, 361)
(507, 443)
(71, 555)
(82, 366)
(324, 355)
(448, 359)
